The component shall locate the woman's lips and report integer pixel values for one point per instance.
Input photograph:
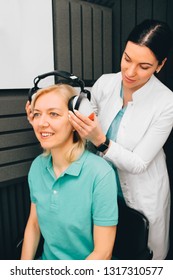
(128, 79)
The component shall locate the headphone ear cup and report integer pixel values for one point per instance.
(85, 108)
(71, 104)
(74, 102)
(82, 104)
(31, 92)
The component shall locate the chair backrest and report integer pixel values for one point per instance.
(132, 235)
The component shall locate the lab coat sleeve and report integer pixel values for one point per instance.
(137, 160)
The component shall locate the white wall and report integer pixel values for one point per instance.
(26, 41)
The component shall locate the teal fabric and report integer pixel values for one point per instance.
(67, 207)
(112, 134)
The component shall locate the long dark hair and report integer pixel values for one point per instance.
(154, 34)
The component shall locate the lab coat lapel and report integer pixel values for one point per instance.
(112, 107)
(137, 118)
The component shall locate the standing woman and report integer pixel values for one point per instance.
(134, 119)
(73, 192)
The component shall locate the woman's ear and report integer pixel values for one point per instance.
(161, 65)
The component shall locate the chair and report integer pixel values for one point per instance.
(132, 235)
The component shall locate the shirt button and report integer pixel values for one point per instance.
(55, 192)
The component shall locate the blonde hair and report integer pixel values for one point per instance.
(67, 92)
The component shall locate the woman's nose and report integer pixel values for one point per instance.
(131, 71)
(43, 121)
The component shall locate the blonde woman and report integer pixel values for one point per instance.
(73, 192)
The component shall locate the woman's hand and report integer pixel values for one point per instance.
(29, 112)
(88, 129)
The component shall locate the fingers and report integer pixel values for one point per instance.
(73, 118)
(80, 129)
(88, 129)
(76, 123)
(83, 125)
(80, 119)
(86, 119)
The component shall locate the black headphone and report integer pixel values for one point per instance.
(71, 80)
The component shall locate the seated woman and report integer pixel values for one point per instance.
(73, 192)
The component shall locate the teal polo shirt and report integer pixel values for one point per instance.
(67, 207)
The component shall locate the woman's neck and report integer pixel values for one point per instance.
(59, 161)
(127, 96)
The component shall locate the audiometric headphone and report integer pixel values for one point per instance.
(79, 102)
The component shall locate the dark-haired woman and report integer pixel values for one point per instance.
(134, 117)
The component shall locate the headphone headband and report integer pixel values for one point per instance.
(73, 80)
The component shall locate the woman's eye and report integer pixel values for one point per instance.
(53, 114)
(127, 59)
(144, 67)
(36, 115)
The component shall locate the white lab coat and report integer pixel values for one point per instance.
(137, 152)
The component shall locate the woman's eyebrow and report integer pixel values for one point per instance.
(49, 109)
(127, 54)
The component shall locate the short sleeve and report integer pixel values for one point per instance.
(105, 206)
(31, 188)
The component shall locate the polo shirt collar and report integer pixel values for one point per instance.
(73, 169)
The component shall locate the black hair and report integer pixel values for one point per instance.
(154, 34)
